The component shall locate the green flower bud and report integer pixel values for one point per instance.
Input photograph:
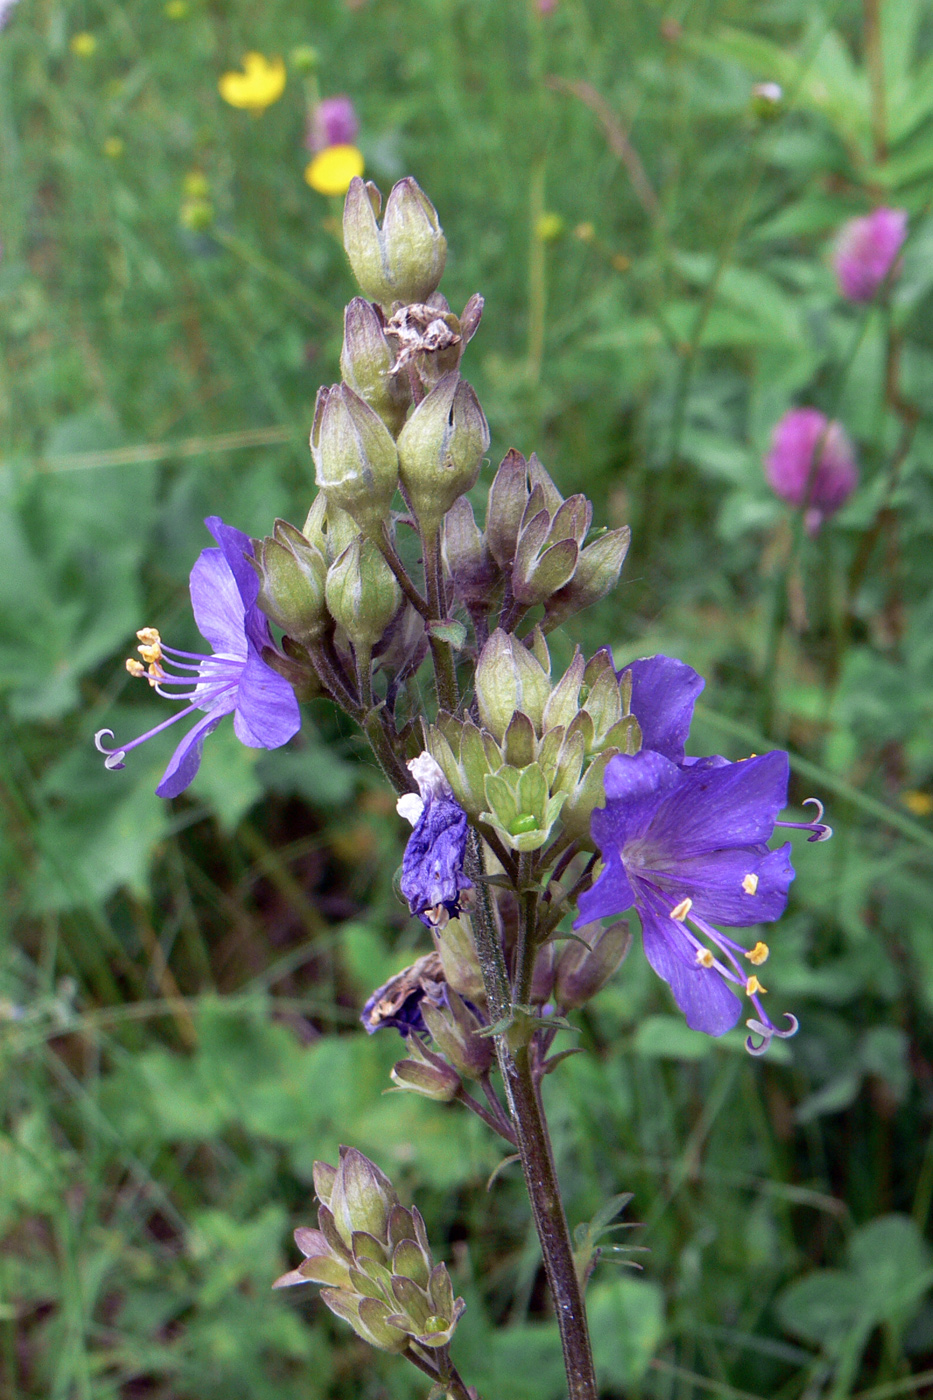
(459, 959)
(355, 460)
(465, 755)
(403, 260)
(418, 1075)
(291, 589)
(520, 807)
(455, 1031)
(365, 362)
(361, 1197)
(508, 496)
(584, 967)
(588, 794)
(596, 574)
(440, 449)
(362, 593)
(368, 1318)
(509, 678)
(564, 700)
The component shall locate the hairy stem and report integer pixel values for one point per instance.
(390, 554)
(534, 1145)
(445, 670)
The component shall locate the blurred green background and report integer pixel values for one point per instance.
(180, 983)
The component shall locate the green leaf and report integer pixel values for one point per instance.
(626, 1317)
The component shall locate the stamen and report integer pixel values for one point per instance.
(149, 636)
(681, 910)
(704, 957)
(753, 986)
(750, 883)
(758, 954)
(135, 668)
(151, 654)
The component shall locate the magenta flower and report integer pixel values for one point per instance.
(866, 250)
(332, 123)
(234, 680)
(812, 464)
(432, 866)
(687, 847)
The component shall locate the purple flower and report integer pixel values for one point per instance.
(866, 250)
(811, 463)
(687, 846)
(432, 866)
(332, 123)
(235, 679)
(397, 1003)
(664, 692)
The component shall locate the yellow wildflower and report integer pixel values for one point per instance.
(261, 83)
(333, 168)
(549, 228)
(113, 147)
(920, 803)
(83, 44)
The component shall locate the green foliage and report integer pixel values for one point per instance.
(179, 987)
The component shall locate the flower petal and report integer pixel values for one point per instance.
(611, 894)
(718, 883)
(218, 607)
(267, 712)
(186, 760)
(700, 992)
(236, 547)
(664, 692)
(714, 808)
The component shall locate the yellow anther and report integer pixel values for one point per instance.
(753, 985)
(155, 674)
(758, 954)
(149, 635)
(151, 654)
(705, 957)
(750, 883)
(135, 668)
(681, 910)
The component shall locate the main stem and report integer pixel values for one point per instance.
(534, 1144)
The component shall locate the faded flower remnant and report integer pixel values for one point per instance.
(811, 463)
(432, 867)
(234, 680)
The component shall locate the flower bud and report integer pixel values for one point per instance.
(459, 959)
(468, 561)
(584, 967)
(811, 464)
(361, 1197)
(521, 809)
(508, 496)
(403, 260)
(355, 459)
(291, 589)
(455, 1031)
(508, 678)
(365, 361)
(440, 449)
(418, 1075)
(596, 574)
(362, 593)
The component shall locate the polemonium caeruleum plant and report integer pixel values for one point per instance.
(540, 805)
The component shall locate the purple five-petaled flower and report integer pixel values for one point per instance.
(684, 841)
(432, 866)
(234, 680)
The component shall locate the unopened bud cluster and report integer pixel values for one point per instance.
(374, 1258)
(396, 446)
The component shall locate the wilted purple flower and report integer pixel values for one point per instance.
(811, 463)
(235, 679)
(332, 123)
(686, 845)
(432, 866)
(397, 1003)
(865, 251)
